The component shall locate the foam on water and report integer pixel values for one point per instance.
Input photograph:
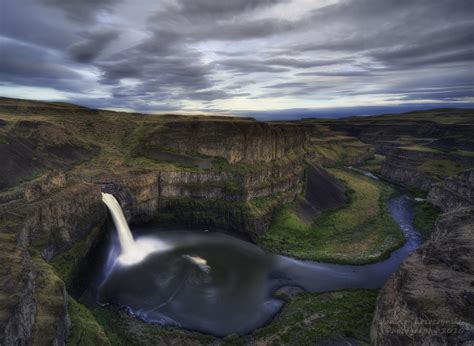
(132, 252)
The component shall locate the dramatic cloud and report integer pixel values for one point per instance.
(82, 10)
(240, 55)
(26, 64)
(92, 45)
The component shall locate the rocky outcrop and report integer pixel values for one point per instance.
(322, 192)
(45, 185)
(17, 292)
(53, 224)
(430, 299)
(403, 171)
(235, 141)
(51, 218)
(31, 147)
(454, 192)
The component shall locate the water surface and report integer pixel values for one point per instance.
(218, 284)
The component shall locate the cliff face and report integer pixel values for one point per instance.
(208, 199)
(454, 192)
(49, 219)
(243, 141)
(17, 292)
(55, 223)
(430, 299)
(420, 148)
(403, 171)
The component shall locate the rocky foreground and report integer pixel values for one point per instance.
(430, 299)
(223, 174)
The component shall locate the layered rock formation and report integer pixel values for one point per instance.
(430, 299)
(420, 148)
(243, 141)
(403, 171)
(208, 199)
(51, 218)
(56, 223)
(17, 292)
(454, 192)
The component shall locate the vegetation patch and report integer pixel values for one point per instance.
(341, 152)
(122, 329)
(442, 168)
(421, 148)
(50, 303)
(68, 263)
(424, 218)
(375, 164)
(311, 318)
(362, 232)
(85, 330)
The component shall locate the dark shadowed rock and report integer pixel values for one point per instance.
(430, 299)
(35, 146)
(322, 192)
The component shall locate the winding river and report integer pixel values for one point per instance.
(218, 284)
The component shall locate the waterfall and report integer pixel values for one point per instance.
(125, 235)
(132, 252)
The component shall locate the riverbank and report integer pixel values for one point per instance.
(362, 232)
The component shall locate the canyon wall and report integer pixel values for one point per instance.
(454, 192)
(49, 219)
(430, 299)
(235, 141)
(420, 149)
(403, 171)
(210, 200)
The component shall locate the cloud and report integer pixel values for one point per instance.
(234, 54)
(82, 10)
(92, 44)
(339, 73)
(247, 65)
(287, 85)
(30, 65)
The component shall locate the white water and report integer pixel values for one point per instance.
(199, 261)
(132, 252)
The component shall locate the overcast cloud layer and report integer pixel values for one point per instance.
(239, 56)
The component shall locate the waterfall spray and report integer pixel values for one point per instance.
(132, 252)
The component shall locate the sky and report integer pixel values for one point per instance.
(264, 58)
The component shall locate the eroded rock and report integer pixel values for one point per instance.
(430, 299)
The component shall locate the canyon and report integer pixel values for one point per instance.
(230, 175)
